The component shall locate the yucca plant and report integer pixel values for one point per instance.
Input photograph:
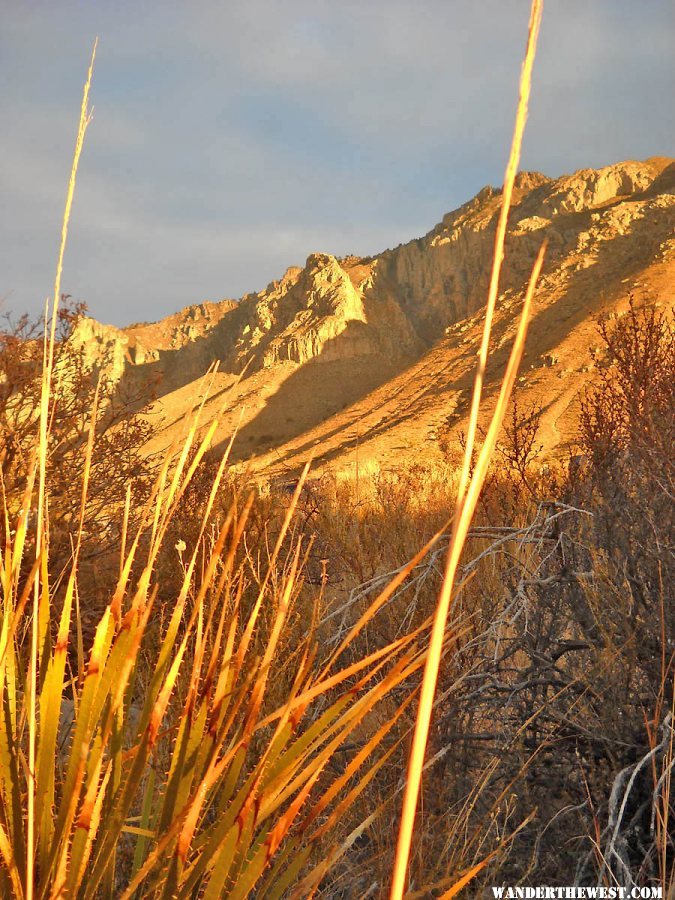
(177, 778)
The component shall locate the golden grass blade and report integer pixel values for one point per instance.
(125, 528)
(12, 617)
(498, 256)
(144, 827)
(261, 681)
(162, 701)
(483, 461)
(253, 617)
(332, 681)
(298, 766)
(50, 713)
(85, 119)
(10, 771)
(79, 634)
(459, 534)
(468, 492)
(22, 526)
(184, 767)
(279, 882)
(247, 880)
(465, 879)
(59, 850)
(52, 689)
(458, 885)
(354, 765)
(86, 827)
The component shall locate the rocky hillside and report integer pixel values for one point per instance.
(367, 359)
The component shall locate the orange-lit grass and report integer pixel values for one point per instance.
(47, 371)
(470, 483)
(210, 813)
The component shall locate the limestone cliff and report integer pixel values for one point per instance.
(346, 326)
(443, 276)
(319, 311)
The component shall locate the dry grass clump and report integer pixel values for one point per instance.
(185, 771)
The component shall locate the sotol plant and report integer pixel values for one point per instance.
(176, 776)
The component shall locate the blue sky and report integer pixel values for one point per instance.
(232, 139)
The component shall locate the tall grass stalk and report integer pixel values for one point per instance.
(40, 550)
(470, 484)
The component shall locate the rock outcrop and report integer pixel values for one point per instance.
(321, 311)
(443, 276)
(102, 347)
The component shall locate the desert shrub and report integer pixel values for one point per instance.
(555, 705)
(627, 429)
(120, 433)
(626, 610)
(574, 680)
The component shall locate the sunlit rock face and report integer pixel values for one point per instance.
(398, 304)
(592, 187)
(101, 346)
(443, 276)
(322, 311)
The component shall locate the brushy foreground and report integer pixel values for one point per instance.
(233, 716)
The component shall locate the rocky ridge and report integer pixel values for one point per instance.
(382, 315)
